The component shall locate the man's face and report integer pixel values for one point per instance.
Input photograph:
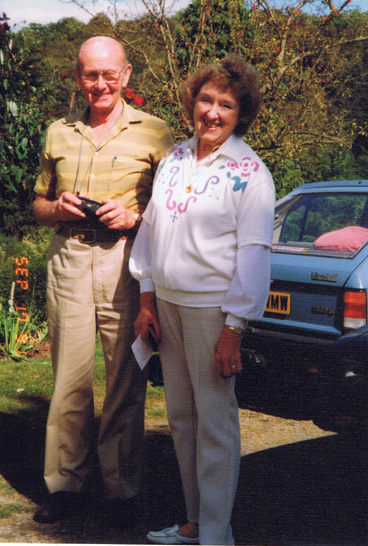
(102, 74)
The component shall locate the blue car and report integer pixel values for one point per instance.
(308, 355)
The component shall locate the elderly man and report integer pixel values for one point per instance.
(109, 153)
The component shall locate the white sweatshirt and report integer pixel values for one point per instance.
(207, 231)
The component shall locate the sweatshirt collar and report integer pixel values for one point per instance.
(232, 148)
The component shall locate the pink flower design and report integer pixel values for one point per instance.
(179, 151)
(233, 165)
(248, 166)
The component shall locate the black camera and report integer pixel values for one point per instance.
(88, 206)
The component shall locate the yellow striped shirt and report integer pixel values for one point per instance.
(121, 166)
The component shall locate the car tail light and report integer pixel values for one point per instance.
(355, 309)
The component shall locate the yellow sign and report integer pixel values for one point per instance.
(278, 302)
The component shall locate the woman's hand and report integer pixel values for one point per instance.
(147, 320)
(227, 358)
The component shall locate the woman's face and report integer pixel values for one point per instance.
(215, 115)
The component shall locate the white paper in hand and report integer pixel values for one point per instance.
(142, 352)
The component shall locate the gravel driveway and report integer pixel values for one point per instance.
(298, 485)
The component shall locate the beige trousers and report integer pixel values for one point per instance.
(203, 416)
(89, 289)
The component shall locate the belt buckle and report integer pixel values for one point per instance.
(83, 237)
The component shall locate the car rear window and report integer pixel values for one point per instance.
(322, 223)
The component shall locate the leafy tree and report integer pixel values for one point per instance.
(305, 62)
(210, 30)
(172, 47)
(56, 46)
(22, 127)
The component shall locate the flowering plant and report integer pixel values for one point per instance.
(132, 98)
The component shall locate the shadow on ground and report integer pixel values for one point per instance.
(312, 492)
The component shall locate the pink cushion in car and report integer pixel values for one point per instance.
(348, 239)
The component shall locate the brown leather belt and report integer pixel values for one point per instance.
(90, 236)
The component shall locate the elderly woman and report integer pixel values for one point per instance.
(202, 257)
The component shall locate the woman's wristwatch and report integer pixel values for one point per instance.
(236, 329)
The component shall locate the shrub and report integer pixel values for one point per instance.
(25, 261)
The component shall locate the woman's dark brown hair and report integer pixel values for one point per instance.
(232, 74)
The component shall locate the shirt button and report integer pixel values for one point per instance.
(96, 153)
(93, 176)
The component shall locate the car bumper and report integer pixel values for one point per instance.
(304, 378)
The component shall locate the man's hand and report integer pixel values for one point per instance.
(227, 358)
(66, 207)
(48, 213)
(115, 216)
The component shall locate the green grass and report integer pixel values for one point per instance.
(22, 382)
(24, 385)
(8, 509)
(11, 500)
(155, 403)
(5, 487)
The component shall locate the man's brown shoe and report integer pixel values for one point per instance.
(58, 506)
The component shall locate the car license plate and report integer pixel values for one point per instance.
(278, 302)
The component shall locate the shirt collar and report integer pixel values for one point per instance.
(233, 148)
(128, 116)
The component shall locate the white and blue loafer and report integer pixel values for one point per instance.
(169, 535)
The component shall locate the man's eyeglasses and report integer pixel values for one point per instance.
(110, 76)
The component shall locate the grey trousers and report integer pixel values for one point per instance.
(203, 417)
(89, 289)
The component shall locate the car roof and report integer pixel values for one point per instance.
(333, 186)
(347, 184)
